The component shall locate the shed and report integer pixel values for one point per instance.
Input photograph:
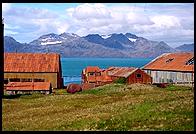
(131, 74)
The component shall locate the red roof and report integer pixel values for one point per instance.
(28, 86)
(31, 62)
(121, 71)
(172, 62)
(92, 69)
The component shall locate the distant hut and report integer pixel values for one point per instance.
(93, 76)
(172, 68)
(131, 75)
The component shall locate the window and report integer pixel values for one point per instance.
(26, 80)
(98, 74)
(38, 80)
(15, 80)
(91, 73)
(169, 60)
(138, 75)
(190, 62)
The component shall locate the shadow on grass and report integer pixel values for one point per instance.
(11, 96)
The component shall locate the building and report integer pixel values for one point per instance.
(131, 74)
(94, 76)
(172, 68)
(33, 67)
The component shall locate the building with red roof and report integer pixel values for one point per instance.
(172, 68)
(33, 67)
(95, 76)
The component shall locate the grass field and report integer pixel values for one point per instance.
(111, 107)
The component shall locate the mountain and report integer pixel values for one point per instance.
(117, 41)
(186, 48)
(11, 45)
(92, 45)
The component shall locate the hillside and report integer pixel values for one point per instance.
(111, 107)
(186, 48)
(92, 45)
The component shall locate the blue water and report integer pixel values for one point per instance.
(72, 67)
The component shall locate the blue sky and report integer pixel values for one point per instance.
(172, 23)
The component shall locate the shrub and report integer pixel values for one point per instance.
(121, 80)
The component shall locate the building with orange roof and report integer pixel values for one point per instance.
(97, 77)
(172, 68)
(33, 67)
(131, 74)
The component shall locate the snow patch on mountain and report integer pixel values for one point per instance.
(72, 34)
(105, 36)
(132, 40)
(47, 39)
(51, 42)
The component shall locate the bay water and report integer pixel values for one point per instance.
(72, 67)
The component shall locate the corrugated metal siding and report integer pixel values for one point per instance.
(170, 77)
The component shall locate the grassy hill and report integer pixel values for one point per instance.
(111, 107)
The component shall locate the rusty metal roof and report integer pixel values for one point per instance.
(31, 62)
(28, 86)
(121, 71)
(172, 62)
(92, 69)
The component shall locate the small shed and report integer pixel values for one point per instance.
(132, 75)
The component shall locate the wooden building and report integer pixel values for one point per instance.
(172, 68)
(131, 74)
(95, 75)
(33, 67)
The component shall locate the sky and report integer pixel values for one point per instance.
(172, 23)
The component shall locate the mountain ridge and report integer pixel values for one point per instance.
(92, 45)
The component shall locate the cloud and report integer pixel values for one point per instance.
(32, 22)
(164, 21)
(90, 11)
(5, 7)
(168, 22)
(98, 18)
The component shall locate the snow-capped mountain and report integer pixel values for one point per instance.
(92, 45)
(54, 39)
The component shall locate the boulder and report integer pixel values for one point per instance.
(72, 88)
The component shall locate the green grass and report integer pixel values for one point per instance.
(111, 107)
